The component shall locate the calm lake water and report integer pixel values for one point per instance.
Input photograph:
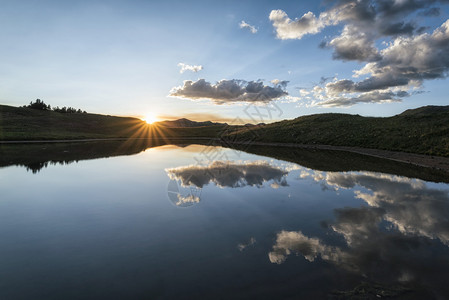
(202, 222)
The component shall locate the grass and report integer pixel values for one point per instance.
(30, 124)
(424, 130)
(19, 124)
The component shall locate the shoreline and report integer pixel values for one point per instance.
(435, 162)
(97, 140)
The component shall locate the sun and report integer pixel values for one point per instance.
(150, 118)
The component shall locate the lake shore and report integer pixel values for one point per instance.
(97, 140)
(436, 162)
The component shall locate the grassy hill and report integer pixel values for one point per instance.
(423, 130)
(18, 123)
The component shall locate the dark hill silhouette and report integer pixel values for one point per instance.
(187, 123)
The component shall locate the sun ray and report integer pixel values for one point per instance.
(139, 133)
(150, 118)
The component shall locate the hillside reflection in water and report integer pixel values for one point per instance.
(250, 226)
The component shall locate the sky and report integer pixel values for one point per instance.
(226, 60)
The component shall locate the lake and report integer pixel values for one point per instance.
(111, 220)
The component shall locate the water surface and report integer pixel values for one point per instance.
(196, 221)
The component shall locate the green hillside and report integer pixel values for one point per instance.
(423, 130)
(18, 123)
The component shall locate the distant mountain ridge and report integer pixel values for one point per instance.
(187, 123)
(426, 110)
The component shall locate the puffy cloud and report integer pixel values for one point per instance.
(288, 242)
(182, 197)
(386, 240)
(411, 206)
(280, 83)
(354, 45)
(416, 58)
(287, 28)
(358, 224)
(245, 25)
(404, 64)
(413, 210)
(411, 57)
(371, 17)
(371, 252)
(371, 84)
(187, 200)
(193, 68)
(243, 246)
(229, 91)
(229, 174)
(369, 97)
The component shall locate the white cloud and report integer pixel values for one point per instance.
(187, 200)
(410, 56)
(409, 204)
(245, 25)
(386, 239)
(288, 242)
(193, 68)
(230, 91)
(243, 246)
(229, 174)
(287, 28)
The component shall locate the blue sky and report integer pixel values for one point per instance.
(121, 57)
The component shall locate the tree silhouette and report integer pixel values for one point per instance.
(39, 104)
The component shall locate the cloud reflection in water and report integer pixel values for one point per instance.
(230, 174)
(388, 239)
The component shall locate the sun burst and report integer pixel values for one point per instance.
(150, 118)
